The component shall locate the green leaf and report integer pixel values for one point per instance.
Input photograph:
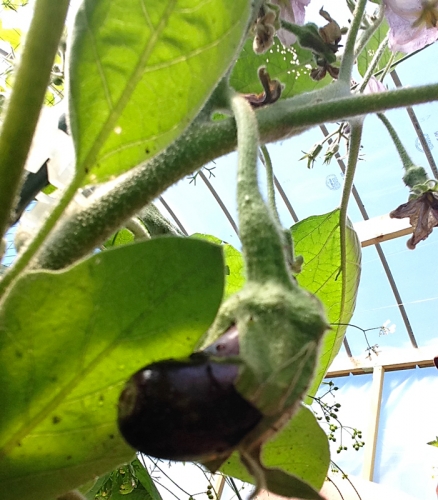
(301, 449)
(317, 239)
(434, 442)
(367, 54)
(291, 66)
(68, 342)
(121, 237)
(131, 481)
(234, 264)
(146, 480)
(10, 35)
(141, 71)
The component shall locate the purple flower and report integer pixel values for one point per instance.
(374, 86)
(294, 12)
(422, 213)
(413, 24)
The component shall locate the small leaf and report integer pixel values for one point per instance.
(68, 342)
(317, 239)
(434, 443)
(141, 71)
(291, 66)
(121, 237)
(301, 449)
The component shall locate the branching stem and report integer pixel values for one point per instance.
(349, 56)
(203, 142)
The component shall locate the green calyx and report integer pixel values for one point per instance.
(280, 330)
(414, 176)
(309, 38)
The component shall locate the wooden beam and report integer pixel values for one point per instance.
(219, 485)
(381, 228)
(391, 359)
(373, 424)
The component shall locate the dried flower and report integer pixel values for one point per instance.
(423, 215)
(413, 24)
(264, 29)
(272, 90)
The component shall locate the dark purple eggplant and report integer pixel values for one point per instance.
(185, 409)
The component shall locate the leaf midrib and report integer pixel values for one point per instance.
(130, 86)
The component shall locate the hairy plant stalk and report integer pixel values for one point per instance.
(349, 55)
(80, 233)
(366, 35)
(401, 150)
(257, 228)
(27, 97)
(373, 64)
(266, 159)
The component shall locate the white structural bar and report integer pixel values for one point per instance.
(373, 424)
(391, 359)
(381, 228)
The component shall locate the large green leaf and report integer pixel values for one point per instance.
(140, 71)
(301, 449)
(317, 239)
(291, 66)
(371, 47)
(69, 340)
(234, 265)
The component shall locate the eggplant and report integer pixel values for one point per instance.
(185, 409)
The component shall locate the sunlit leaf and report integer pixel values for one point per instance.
(10, 35)
(127, 482)
(140, 72)
(317, 239)
(121, 237)
(234, 265)
(434, 442)
(301, 449)
(291, 66)
(68, 342)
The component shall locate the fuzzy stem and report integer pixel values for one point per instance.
(353, 155)
(156, 223)
(23, 109)
(404, 156)
(24, 258)
(387, 68)
(80, 233)
(369, 32)
(259, 234)
(375, 61)
(349, 56)
(266, 160)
